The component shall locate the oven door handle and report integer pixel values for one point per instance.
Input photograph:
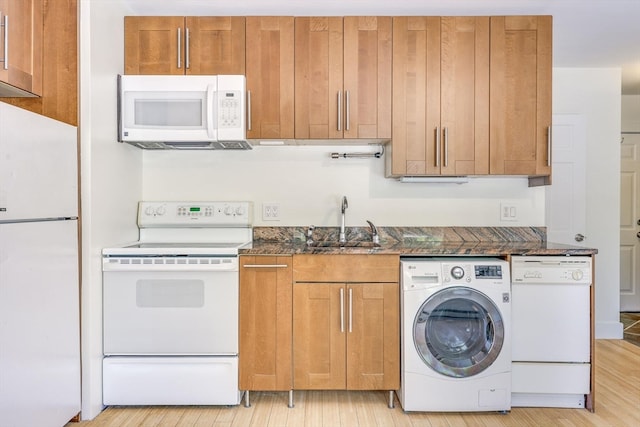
(265, 266)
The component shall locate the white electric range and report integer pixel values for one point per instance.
(170, 306)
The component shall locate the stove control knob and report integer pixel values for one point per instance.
(228, 210)
(577, 274)
(240, 211)
(457, 272)
(149, 211)
(161, 210)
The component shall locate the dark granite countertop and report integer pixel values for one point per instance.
(412, 241)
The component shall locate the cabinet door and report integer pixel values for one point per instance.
(441, 89)
(416, 96)
(270, 86)
(319, 97)
(373, 336)
(464, 97)
(59, 98)
(265, 323)
(215, 45)
(153, 45)
(367, 77)
(319, 342)
(520, 95)
(21, 44)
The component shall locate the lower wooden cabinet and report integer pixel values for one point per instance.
(321, 322)
(265, 323)
(346, 332)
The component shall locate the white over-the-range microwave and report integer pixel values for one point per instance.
(182, 112)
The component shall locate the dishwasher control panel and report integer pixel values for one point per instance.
(551, 269)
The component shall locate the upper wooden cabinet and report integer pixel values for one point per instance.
(343, 77)
(184, 45)
(471, 95)
(440, 96)
(520, 98)
(59, 99)
(270, 99)
(265, 323)
(21, 39)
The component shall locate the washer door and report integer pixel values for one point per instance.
(458, 332)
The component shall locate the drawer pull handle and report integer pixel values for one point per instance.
(265, 266)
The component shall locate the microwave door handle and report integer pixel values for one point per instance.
(212, 113)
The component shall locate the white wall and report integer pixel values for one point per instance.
(595, 93)
(111, 181)
(308, 185)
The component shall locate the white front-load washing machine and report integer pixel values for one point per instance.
(456, 342)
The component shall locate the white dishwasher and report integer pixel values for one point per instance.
(551, 331)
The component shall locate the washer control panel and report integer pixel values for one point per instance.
(194, 214)
(473, 270)
(427, 272)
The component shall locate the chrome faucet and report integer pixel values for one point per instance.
(375, 238)
(345, 205)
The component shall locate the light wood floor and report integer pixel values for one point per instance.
(617, 404)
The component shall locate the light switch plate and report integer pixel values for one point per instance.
(508, 212)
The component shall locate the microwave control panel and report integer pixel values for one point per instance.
(229, 109)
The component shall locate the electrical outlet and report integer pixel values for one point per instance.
(271, 212)
(508, 212)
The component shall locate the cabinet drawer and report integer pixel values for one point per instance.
(346, 268)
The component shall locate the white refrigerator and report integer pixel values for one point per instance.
(39, 280)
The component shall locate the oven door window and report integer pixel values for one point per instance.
(161, 293)
(170, 313)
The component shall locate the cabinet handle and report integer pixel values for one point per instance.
(6, 43)
(265, 266)
(186, 48)
(179, 47)
(350, 310)
(437, 146)
(446, 147)
(548, 145)
(341, 309)
(347, 107)
(248, 110)
(339, 110)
